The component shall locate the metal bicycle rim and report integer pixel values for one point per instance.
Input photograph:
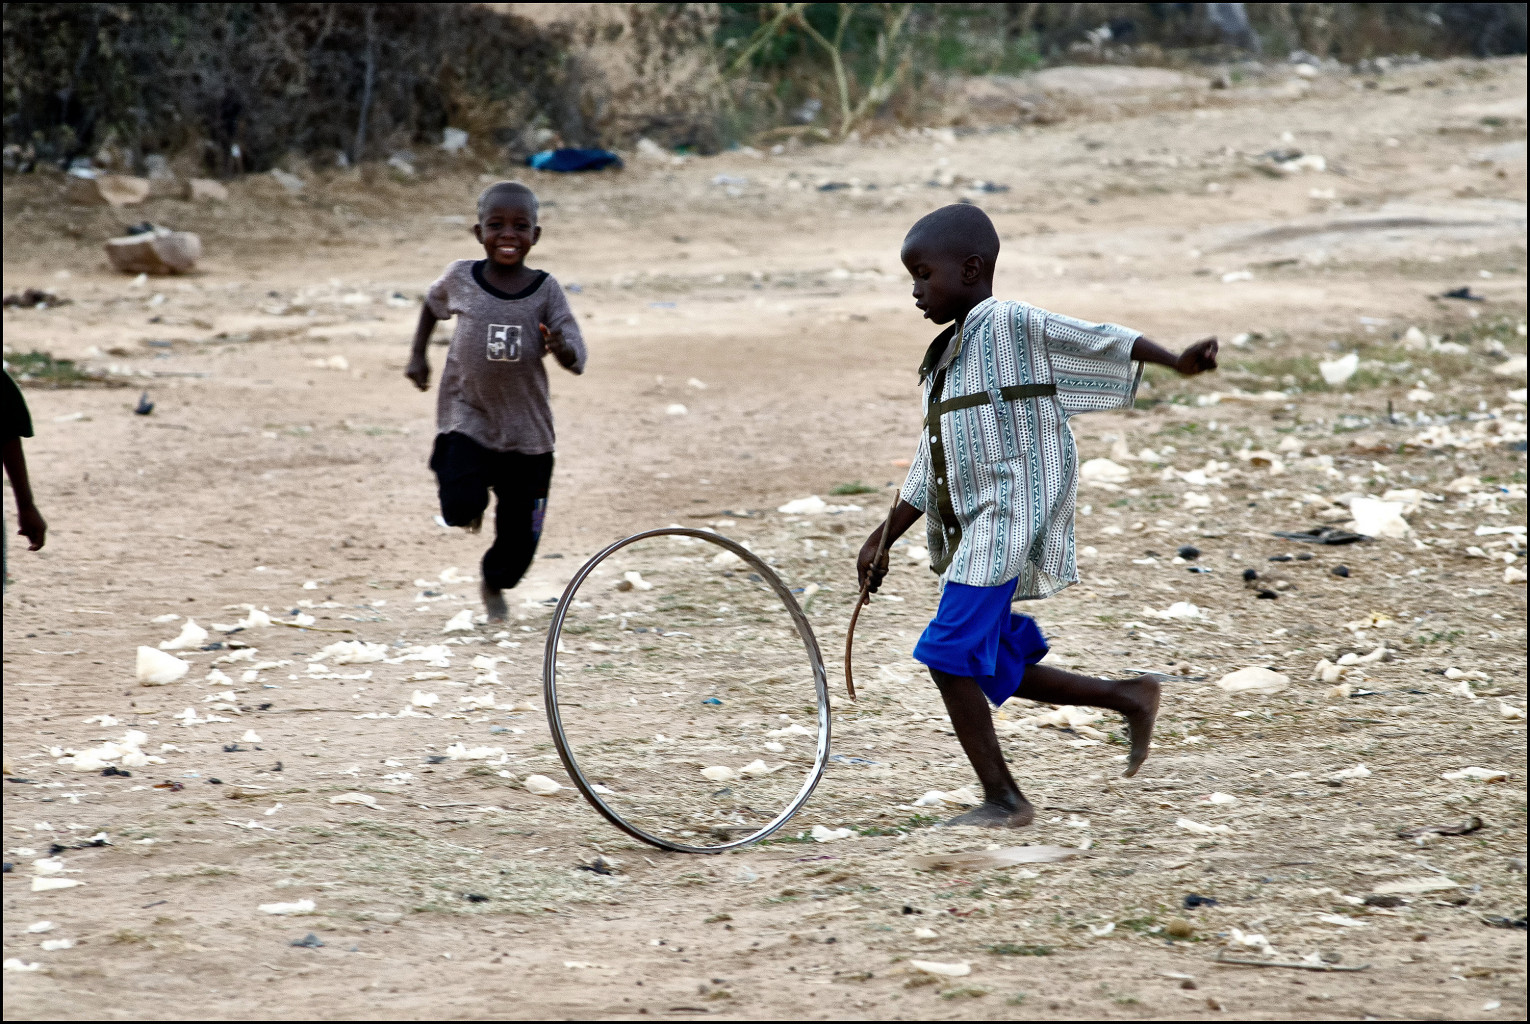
(804, 630)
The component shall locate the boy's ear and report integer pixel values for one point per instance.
(972, 269)
(536, 234)
(478, 233)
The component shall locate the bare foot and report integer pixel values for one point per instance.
(994, 815)
(475, 525)
(1142, 694)
(493, 603)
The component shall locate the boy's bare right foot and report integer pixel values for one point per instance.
(475, 526)
(493, 603)
(995, 815)
(1141, 713)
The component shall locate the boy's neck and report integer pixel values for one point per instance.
(508, 279)
(980, 295)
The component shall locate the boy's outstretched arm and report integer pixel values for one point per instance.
(1199, 357)
(895, 526)
(418, 369)
(32, 525)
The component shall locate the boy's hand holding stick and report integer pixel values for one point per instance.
(872, 577)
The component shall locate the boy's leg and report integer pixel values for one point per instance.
(1003, 803)
(521, 485)
(1135, 699)
(462, 481)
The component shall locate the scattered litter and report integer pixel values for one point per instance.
(1202, 829)
(719, 773)
(295, 907)
(365, 799)
(956, 970)
(21, 966)
(822, 834)
(43, 883)
(1359, 771)
(309, 941)
(541, 785)
(1466, 828)
(963, 797)
(633, 580)
(156, 668)
(1104, 473)
(1340, 920)
(462, 622)
(1378, 518)
(1002, 857)
(675, 409)
(39, 928)
(191, 636)
(1477, 774)
(1177, 610)
(1337, 371)
(1254, 680)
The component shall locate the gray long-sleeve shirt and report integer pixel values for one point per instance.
(494, 385)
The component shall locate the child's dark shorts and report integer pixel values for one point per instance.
(975, 634)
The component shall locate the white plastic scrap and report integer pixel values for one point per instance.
(1254, 680)
(1177, 610)
(541, 785)
(1104, 473)
(351, 652)
(128, 751)
(365, 799)
(191, 635)
(1337, 371)
(956, 970)
(1477, 774)
(791, 730)
(1202, 829)
(963, 797)
(42, 883)
(295, 907)
(462, 622)
(1359, 771)
(822, 834)
(21, 966)
(156, 668)
(462, 752)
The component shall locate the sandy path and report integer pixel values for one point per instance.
(260, 471)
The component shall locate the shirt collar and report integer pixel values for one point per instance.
(941, 351)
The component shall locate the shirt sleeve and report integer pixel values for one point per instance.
(1091, 364)
(18, 421)
(558, 316)
(438, 296)
(917, 484)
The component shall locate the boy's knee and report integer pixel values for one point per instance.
(461, 506)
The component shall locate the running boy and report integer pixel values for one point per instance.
(494, 427)
(996, 476)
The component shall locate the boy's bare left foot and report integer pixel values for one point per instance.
(494, 603)
(1143, 694)
(995, 815)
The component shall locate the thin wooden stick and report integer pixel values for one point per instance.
(865, 597)
(1222, 958)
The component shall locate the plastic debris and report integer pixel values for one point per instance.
(462, 622)
(1415, 886)
(421, 699)
(44, 883)
(39, 928)
(351, 652)
(18, 965)
(191, 635)
(1476, 775)
(1202, 829)
(1177, 610)
(295, 907)
(364, 799)
(823, 834)
(54, 945)
(541, 785)
(1254, 680)
(156, 668)
(810, 505)
(1359, 771)
(963, 797)
(1003, 857)
(956, 970)
(719, 773)
(635, 581)
(1104, 473)
(1337, 371)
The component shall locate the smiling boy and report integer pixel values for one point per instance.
(494, 426)
(996, 476)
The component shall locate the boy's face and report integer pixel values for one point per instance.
(508, 230)
(942, 282)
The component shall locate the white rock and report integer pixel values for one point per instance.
(156, 668)
(723, 558)
(1477, 774)
(421, 699)
(1177, 610)
(1254, 680)
(462, 622)
(1514, 366)
(20, 966)
(250, 736)
(1220, 799)
(791, 730)
(1337, 371)
(43, 883)
(1511, 713)
(295, 907)
(39, 927)
(718, 773)
(756, 767)
(54, 945)
(1359, 771)
(1201, 829)
(675, 409)
(541, 785)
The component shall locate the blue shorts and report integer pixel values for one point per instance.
(975, 634)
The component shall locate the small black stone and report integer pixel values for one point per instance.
(475, 897)
(1280, 558)
(1189, 552)
(1267, 595)
(1305, 556)
(215, 782)
(1249, 575)
(1193, 900)
(1340, 570)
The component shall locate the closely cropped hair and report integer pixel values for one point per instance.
(505, 190)
(957, 230)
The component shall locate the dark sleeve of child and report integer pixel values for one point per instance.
(17, 423)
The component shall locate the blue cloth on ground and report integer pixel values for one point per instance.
(573, 160)
(975, 634)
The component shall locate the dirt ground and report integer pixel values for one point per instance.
(283, 467)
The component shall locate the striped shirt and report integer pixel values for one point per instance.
(997, 476)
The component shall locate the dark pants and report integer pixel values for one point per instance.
(466, 471)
